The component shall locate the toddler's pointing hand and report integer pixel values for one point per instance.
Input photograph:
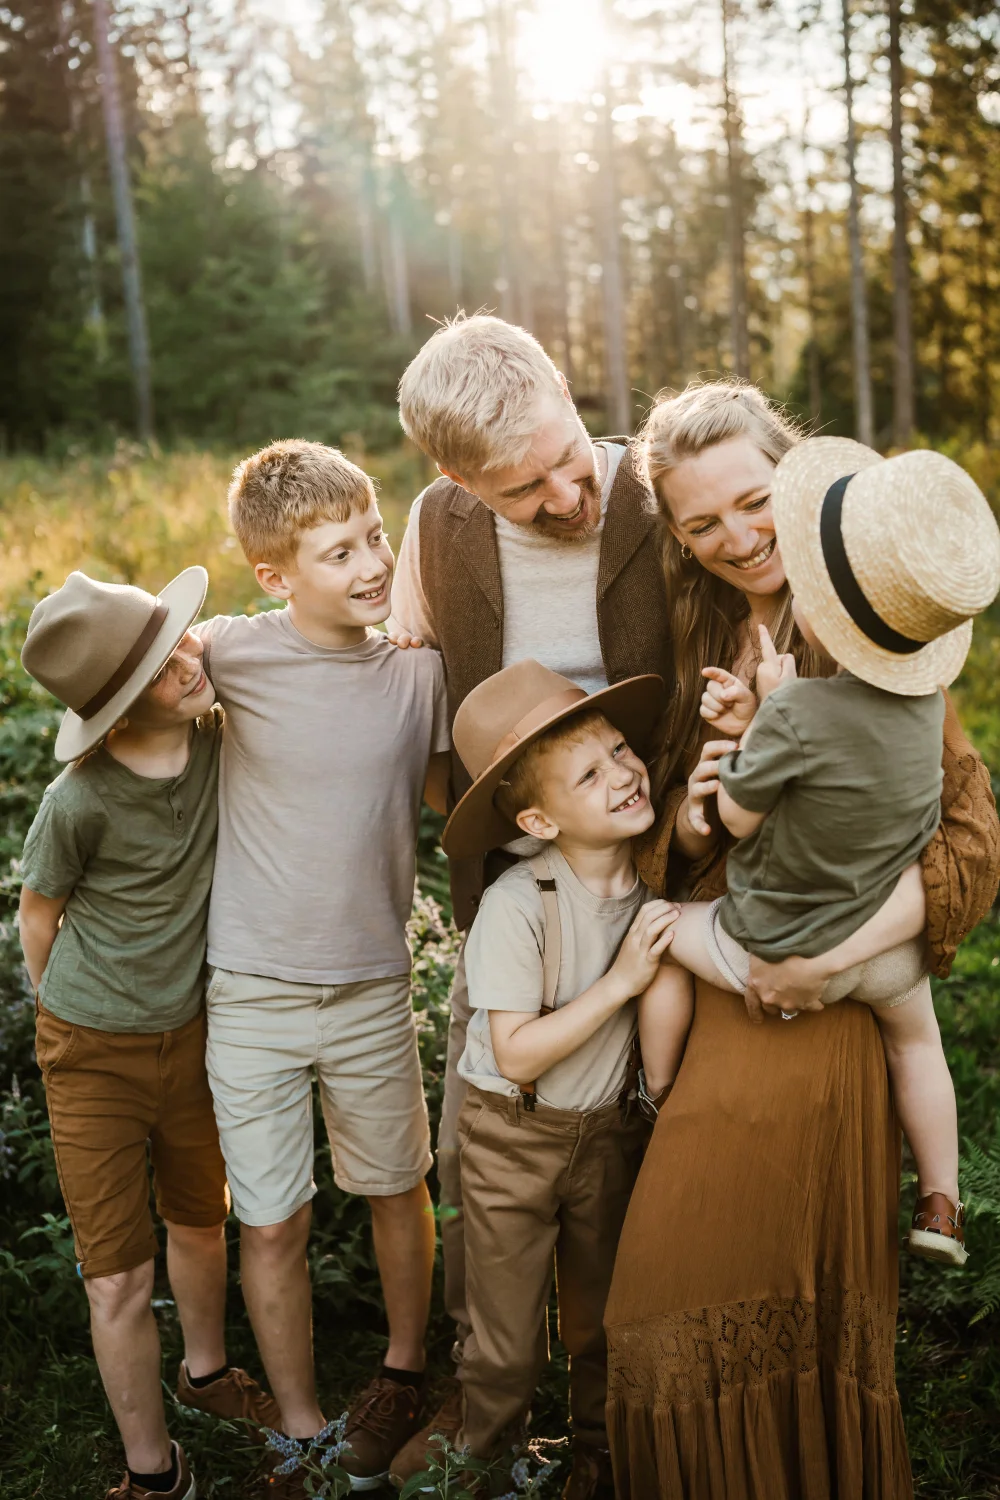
(727, 703)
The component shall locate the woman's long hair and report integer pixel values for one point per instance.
(706, 613)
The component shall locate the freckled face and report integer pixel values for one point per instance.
(342, 571)
(596, 790)
(180, 691)
(720, 507)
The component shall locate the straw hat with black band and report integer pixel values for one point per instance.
(889, 558)
(509, 711)
(97, 646)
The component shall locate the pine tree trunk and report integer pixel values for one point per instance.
(809, 257)
(902, 323)
(739, 336)
(863, 416)
(121, 187)
(615, 326)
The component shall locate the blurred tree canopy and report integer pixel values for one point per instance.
(308, 197)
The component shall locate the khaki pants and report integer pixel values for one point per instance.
(537, 1186)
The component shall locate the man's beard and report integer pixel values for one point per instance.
(545, 524)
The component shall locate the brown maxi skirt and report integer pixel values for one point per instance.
(751, 1321)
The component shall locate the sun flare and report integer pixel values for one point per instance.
(561, 48)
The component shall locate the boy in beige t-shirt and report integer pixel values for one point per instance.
(551, 1137)
(332, 738)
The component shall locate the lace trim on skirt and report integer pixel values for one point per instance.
(699, 1354)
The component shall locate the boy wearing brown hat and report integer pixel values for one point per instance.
(550, 1136)
(835, 789)
(117, 868)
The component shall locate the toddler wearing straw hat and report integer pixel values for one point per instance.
(834, 790)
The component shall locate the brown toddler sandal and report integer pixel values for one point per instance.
(937, 1231)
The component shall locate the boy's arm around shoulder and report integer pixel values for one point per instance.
(504, 965)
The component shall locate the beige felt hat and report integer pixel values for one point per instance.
(96, 646)
(505, 714)
(890, 558)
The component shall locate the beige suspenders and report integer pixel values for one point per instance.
(634, 1088)
(551, 951)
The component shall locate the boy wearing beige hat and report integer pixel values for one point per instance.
(550, 1136)
(835, 789)
(116, 869)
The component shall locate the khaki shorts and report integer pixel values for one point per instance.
(267, 1038)
(109, 1094)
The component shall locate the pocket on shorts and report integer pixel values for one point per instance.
(55, 1040)
(214, 983)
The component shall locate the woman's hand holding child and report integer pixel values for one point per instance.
(702, 784)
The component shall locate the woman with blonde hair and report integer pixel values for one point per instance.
(751, 1322)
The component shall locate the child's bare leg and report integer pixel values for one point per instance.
(665, 1011)
(922, 1089)
(666, 1007)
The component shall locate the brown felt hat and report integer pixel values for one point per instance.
(890, 558)
(97, 646)
(509, 711)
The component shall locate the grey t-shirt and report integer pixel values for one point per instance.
(850, 779)
(503, 967)
(323, 772)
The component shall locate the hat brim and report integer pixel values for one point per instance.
(801, 481)
(634, 707)
(183, 598)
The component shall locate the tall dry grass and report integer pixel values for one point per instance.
(137, 517)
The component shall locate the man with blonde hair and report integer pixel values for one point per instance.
(535, 542)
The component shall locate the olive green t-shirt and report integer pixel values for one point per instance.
(850, 779)
(137, 853)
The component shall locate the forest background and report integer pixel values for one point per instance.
(223, 221)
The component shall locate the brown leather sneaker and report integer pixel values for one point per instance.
(184, 1489)
(380, 1421)
(937, 1231)
(591, 1477)
(412, 1457)
(234, 1397)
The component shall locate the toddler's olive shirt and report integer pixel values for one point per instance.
(850, 779)
(137, 854)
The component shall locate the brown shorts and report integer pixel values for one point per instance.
(109, 1094)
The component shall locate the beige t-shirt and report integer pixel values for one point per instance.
(323, 768)
(549, 592)
(503, 966)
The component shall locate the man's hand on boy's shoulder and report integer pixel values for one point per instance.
(400, 636)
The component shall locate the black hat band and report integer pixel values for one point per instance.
(846, 585)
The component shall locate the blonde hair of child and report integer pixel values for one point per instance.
(285, 489)
(470, 399)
